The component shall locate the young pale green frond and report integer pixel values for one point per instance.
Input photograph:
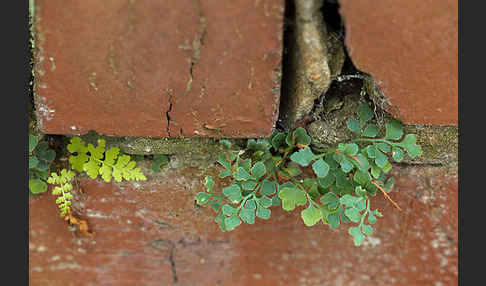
(96, 160)
(62, 180)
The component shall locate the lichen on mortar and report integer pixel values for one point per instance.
(184, 152)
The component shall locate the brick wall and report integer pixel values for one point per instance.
(208, 68)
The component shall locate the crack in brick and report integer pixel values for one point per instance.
(197, 43)
(163, 244)
(172, 262)
(167, 113)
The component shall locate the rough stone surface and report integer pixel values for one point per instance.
(410, 48)
(315, 56)
(151, 233)
(191, 68)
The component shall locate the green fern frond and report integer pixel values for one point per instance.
(65, 197)
(96, 161)
(124, 168)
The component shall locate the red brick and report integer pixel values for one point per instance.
(148, 232)
(411, 49)
(123, 67)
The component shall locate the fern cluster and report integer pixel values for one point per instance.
(94, 161)
(269, 172)
(40, 161)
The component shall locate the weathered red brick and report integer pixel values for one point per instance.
(151, 233)
(411, 49)
(187, 68)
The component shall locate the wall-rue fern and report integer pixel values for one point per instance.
(94, 161)
(269, 173)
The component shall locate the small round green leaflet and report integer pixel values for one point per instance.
(225, 173)
(33, 162)
(248, 185)
(327, 181)
(209, 183)
(348, 200)
(300, 137)
(371, 130)
(375, 171)
(397, 154)
(248, 215)
(380, 159)
(229, 210)
(250, 204)
(303, 157)
(358, 237)
(202, 198)
(265, 202)
(278, 139)
(233, 193)
(384, 147)
(361, 162)
(242, 174)
(321, 168)
(365, 113)
(346, 165)
(291, 197)
(331, 200)
(352, 214)
(370, 151)
(258, 170)
(292, 169)
(268, 188)
(232, 222)
(245, 164)
(333, 220)
(224, 162)
(394, 130)
(361, 177)
(409, 143)
(353, 125)
(263, 212)
(43, 152)
(258, 145)
(360, 191)
(225, 144)
(37, 186)
(350, 149)
(311, 215)
(32, 143)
